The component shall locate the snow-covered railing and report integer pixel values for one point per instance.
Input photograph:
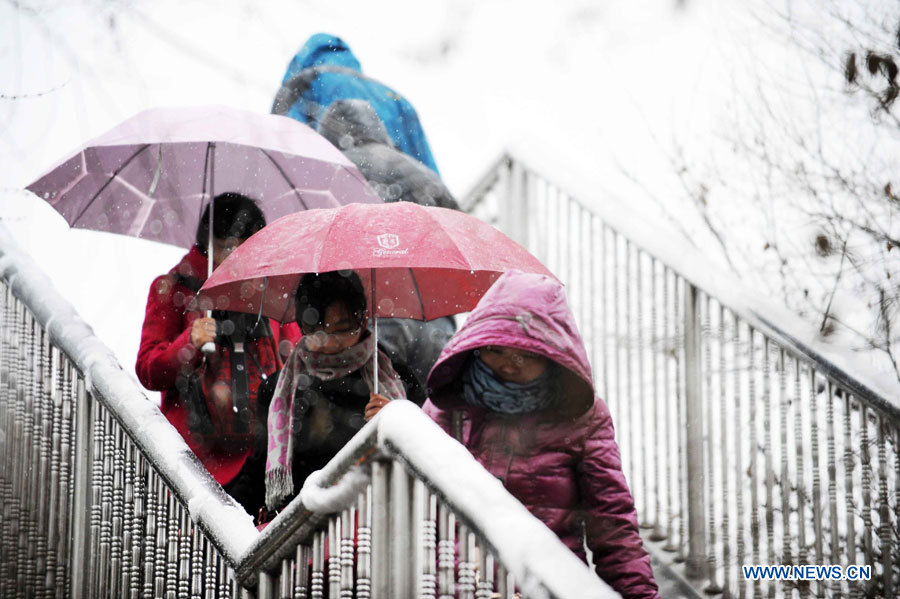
(100, 496)
(427, 518)
(745, 439)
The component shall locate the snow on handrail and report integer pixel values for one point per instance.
(649, 232)
(221, 518)
(402, 432)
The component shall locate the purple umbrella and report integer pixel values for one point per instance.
(152, 175)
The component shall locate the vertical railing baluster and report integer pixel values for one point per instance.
(643, 463)
(726, 491)
(697, 559)
(44, 490)
(225, 581)
(832, 459)
(6, 439)
(465, 587)
(197, 562)
(317, 586)
(708, 403)
(302, 565)
(659, 472)
(106, 500)
(286, 580)
(485, 587)
(849, 467)
(364, 546)
(884, 510)
(679, 346)
(797, 401)
(184, 552)
(402, 532)
(96, 505)
(784, 406)
(381, 495)
(139, 517)
(152, 497)
(818, 531)
(503, 589)
(604, 331)
(753, 457)
(618, 395)
(25, 399)
(82, 493)
(348, 516)
(671, 425)
(739, 425)
(170, 547)
(865, 462)
(128, 501)
(428, 573)
(333, 558)
(628, 396)
(446, 553)
(211, 571)
(769, 461)
(56, 513)
(118, 508)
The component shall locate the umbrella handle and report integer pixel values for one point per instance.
(209, 347)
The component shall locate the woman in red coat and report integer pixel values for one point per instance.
(514, 386)
(211, 399)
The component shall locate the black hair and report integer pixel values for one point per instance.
(235, 215)
(318, 291)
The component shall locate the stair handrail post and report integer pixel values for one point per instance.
(696, 562)
(81, 523)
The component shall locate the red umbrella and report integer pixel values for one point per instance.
(416, 261)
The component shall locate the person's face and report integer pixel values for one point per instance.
(223, 247)
(513, 365)
(340, 331)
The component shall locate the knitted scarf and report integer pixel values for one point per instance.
(303, 364)
(482, 388)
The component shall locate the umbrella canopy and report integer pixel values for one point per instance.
(153, 175)
(418, 262)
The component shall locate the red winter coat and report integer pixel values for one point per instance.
(166, 351)
(561, 463)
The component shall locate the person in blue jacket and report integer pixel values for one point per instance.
(325, 70)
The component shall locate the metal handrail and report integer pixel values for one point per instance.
(770, 446)
(879, 392)
(130, 511)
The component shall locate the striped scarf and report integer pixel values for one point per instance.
(326, 367)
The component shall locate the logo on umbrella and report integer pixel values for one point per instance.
(388, 241)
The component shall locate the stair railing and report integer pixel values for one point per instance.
(101, 497)
(745, 439)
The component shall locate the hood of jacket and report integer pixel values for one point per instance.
(523, 311)
(319, 50)
(350, 123)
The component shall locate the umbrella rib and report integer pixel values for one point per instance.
(107, 182)
(418, 292)
(287, 180)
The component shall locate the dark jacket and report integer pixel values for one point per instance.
(562, 463)
(353, 126)
(327, 415)
(166, 358)
(325, 70)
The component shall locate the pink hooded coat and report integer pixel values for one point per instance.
(561, 463)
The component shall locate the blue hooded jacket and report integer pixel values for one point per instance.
(325, 70)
